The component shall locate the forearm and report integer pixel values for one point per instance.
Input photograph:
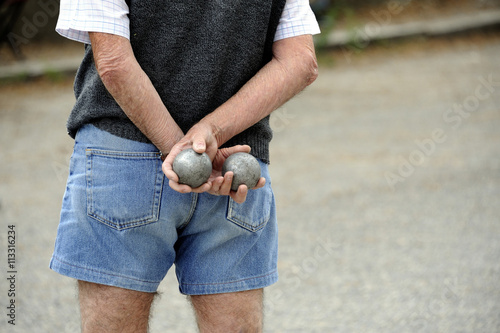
(292, 68)
(133, 91)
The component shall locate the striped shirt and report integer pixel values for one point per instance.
(77, 18)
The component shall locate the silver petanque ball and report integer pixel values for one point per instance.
(193, 169)
(246, 170)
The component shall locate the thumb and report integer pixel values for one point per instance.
(199, 144)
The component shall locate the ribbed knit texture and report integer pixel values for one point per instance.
(197, 54)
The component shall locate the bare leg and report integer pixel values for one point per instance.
(111, 309)
(231, 312)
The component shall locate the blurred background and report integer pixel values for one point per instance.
(386, 172)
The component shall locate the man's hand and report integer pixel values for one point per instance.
(202, 139)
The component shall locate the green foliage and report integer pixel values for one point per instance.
(21, 77)
(54, 75)
(328, 18)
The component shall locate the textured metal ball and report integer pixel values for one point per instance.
(245, 168)
(193, 169)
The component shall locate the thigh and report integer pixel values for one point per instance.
(230, 312)
(112, 309)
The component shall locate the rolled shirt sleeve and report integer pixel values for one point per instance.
(79, 17)
(297, 19)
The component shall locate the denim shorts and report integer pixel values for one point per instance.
(122, 225)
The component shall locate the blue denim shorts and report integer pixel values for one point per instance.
(122, 225)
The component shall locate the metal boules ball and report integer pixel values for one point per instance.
(245, 168)
(192, 168)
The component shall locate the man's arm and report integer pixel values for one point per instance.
(292, 68)
(132, 89)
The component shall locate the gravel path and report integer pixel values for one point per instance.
(387, 176)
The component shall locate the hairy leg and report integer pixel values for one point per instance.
(111, 309)
(231, 312)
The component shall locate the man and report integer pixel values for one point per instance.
(159, 77)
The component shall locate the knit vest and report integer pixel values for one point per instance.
(197, 53)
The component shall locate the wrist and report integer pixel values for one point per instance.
(168, 140)
(220, 127)
(203, 129)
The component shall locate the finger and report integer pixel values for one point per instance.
(199, 144)
(260, 183)
(216, 185)
(225, 189)
(226, 152)
(241, 195)
(203, 188)
(169, 172)
(167, 165)
(179, 187)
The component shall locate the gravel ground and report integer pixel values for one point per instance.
(387, 176)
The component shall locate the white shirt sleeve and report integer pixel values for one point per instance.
(297, 19)
(79, 17)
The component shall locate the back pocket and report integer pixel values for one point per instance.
(254, 213)
(123, 188)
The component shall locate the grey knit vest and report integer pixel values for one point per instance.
(197, 53)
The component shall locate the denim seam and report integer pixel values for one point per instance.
(231, 282)
(252, 226)
(88, 179)
(158, 190)
(102, 272)
(194, 202)
(123, 154)
(233, 218)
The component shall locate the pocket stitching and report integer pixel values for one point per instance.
(157, 189)
(260, 223)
